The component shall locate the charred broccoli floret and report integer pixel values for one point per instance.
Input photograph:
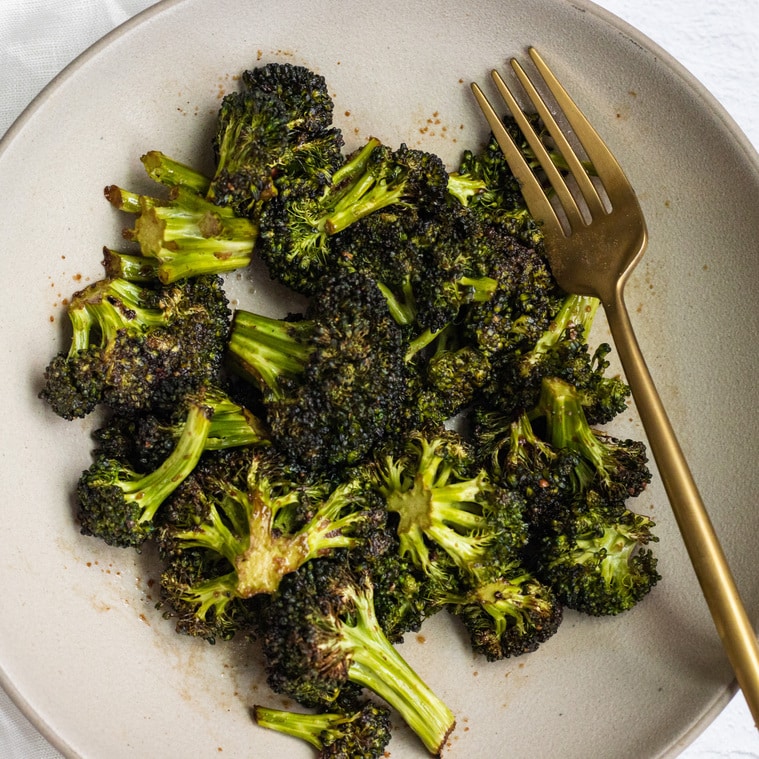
(562, 350)
(362, 733)
(331, 381)
(144, 440)
(257, 527)
(134, 346)
(278, 125)
(618, 467)
(507, 611)
(296, 228)
(443, 503)
(599, 563)
(119, 505)
(320, 637)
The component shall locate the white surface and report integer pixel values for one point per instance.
(714, 39)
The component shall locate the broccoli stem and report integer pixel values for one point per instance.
(160, 168)
(151, 490)
(268, 350)
(377, 665)
(120, 265)
(577, 312)
(307, 727)
(566, 423)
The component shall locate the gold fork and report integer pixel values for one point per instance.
(593, 243)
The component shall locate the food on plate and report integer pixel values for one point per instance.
(423, 436)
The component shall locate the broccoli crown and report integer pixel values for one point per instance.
(618, 467)
(508, 613)
(133, 346)
(600, 563)
(73, 383)
(167, 351)
(362, 733)
(320, 633)
(119, 505)
(484, 182)
(296, 229)
(264, 525)
(332, 381)
(445, 504)
(561, 350)
(302, 93)
(523, 303)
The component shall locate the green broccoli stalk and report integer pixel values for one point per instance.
(119, 505)
(320, 636)
(186, 234)
(362, 733)
(268, 352)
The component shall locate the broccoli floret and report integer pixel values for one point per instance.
(445, 504)
(144, 440)
(321, 637)
(119, 505)
(507, 612)
(135, 347)
(519, 459)
(296, 228)
(599, 564)
(618, 467)
(273, 136)
(562, 351)
(303, 94)
(362, 733)
(257, 527)
(522, 306)
(185, 235)
(332, 381)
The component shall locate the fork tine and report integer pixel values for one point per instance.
(567, 200)
(606, 166)
(537, 202)
(584, 183)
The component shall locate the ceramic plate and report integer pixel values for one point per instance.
(83, 650)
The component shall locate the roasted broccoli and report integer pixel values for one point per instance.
(362, 733)
(599, 563)
(278, 126)
(332, 382)
(133, 346)
(296, 227)
(182, 235)
(618, 467)
(444, 503)
(258, 522)
(506, 610)
(321, 637)
(145, 439)
(119, 505)
(561, 350)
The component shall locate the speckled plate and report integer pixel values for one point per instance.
(83, 650)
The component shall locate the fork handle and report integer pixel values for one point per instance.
(706, 554)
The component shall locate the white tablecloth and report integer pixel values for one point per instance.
(715, 39)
